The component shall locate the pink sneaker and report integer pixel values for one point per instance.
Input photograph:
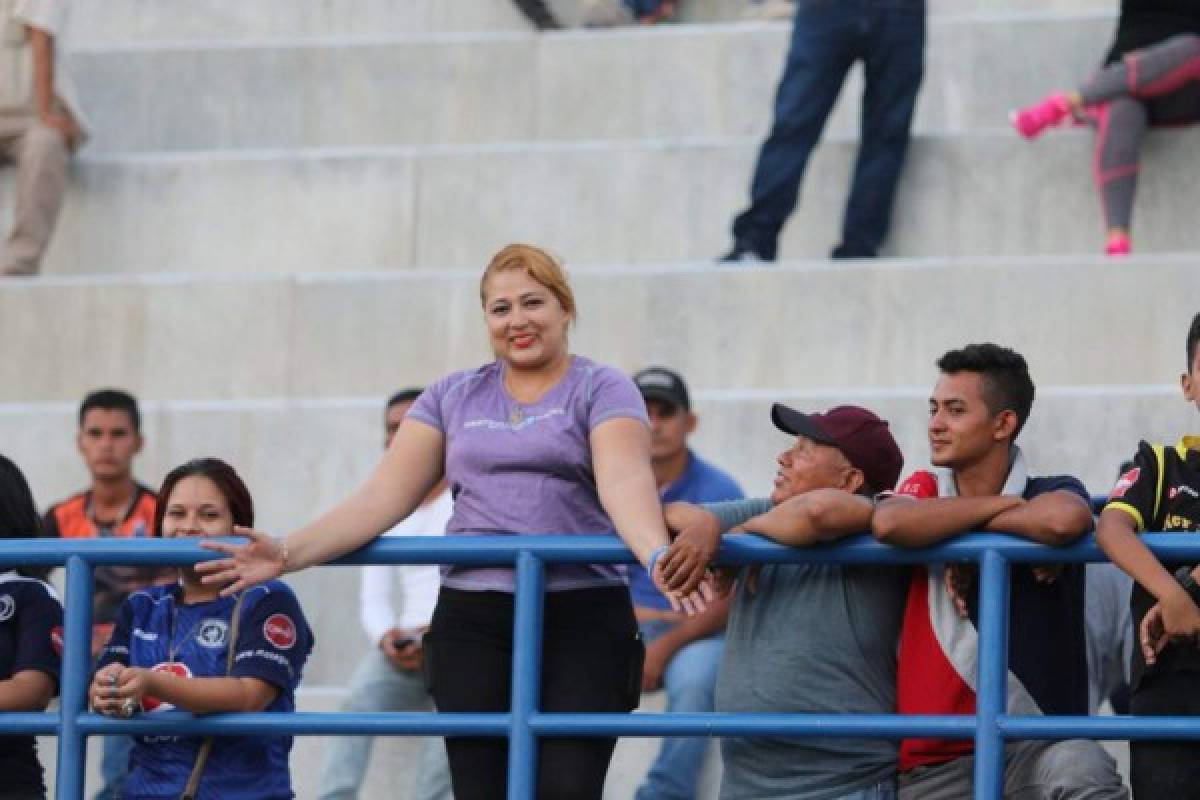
(1032, 120)
(1118, 245)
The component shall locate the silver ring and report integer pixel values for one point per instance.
(128, 707)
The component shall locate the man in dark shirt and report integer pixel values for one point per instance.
(978, 407)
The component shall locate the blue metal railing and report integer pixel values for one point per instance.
(990, 727)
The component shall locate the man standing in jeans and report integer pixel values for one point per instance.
(828, 36)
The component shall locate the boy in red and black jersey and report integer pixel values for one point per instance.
(1162, 493)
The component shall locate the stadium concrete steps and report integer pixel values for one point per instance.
(255, 212)
(805, 326)
(98, 21)
(511, 86)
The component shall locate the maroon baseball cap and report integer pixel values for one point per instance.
(863, 438)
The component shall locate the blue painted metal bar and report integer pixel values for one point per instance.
(743, 548)
(525, 724)
(33, 723)
(302, 723)
(1141, 728)
(992, 689)
(864, 726)
(76, 675)
(526, 675)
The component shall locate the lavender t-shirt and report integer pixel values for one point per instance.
(522, 469)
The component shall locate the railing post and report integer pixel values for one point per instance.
(526, 677)
(76, 671)
(992, 687)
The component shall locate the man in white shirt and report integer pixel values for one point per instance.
(41, 124)
(390, 677)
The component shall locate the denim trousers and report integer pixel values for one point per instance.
(114, 766)
(690, 680)
(828, 37)
(378, 686)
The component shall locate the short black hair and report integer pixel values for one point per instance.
(1193, 341)
(112, 400)
(404, 396)
(1006, 382)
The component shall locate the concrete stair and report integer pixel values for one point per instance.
(103, 21)
(511, 86)
(286, 205)
(803, 326)
(248, 212)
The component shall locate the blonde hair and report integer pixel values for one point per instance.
(537, 264)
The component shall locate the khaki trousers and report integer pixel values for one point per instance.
(41, 156)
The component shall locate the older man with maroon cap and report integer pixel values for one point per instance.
(817, 638)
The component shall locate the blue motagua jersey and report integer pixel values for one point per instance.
(155, 630)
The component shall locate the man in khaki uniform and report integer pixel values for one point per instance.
(41, 124)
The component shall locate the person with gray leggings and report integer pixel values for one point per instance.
(1152, 77)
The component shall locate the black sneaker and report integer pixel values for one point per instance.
(849, 252)
(743, 254)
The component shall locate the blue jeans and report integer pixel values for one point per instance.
(690, 679)
(643, 8)
(378, 686)
(828, 36)
(114, 766)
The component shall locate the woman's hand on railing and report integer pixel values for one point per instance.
(257, 561)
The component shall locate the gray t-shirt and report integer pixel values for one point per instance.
(520, 469)
(811, 638)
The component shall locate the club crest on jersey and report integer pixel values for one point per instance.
(8, 607)
(280, 631)
(212, 632)
(174, 668)
(1124, 483)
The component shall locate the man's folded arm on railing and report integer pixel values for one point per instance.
(820, 515)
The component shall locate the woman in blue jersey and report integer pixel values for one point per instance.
(180, 647)
(30, 627)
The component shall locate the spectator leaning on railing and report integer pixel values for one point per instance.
(1161, 492)
(815, 638)
(188, 647)
(31, 621)
(980, 482)
(539, 441)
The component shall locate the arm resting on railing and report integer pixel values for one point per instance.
(28, 690)
(1175, 617)
(822, 515)
(908, 522)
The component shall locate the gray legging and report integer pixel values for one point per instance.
(1159, 85)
